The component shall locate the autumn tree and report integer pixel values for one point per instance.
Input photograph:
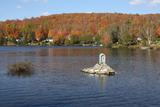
(12, 31)
(158, 32)
(27, 33)
(106, 41)
(59, 38)
(148, 29)
(2, 37)
(114, 31)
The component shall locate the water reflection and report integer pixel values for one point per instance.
(71, 51)
(100, 79)
(26, 74)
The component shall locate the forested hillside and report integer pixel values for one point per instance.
(82, 28)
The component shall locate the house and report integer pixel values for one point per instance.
(49, 40)
(17, 40)
(139, 39)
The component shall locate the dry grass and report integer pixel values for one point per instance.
(21, 69)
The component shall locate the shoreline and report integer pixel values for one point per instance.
(152, 46)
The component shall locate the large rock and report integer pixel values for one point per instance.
(100, 69)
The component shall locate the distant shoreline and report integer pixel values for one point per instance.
(153, 46)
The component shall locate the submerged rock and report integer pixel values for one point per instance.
(100, 68)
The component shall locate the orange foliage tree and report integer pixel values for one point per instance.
(158, 32)
(106, 39)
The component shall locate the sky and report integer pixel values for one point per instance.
(20, 9)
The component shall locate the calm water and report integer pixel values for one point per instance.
(58, 82)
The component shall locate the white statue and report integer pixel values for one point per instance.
(101, 67)
(102, 59)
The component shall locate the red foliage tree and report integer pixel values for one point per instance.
(106, 40)
(158, 32)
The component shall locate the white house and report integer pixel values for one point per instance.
(49, 39)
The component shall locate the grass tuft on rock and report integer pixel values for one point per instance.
(21, 69)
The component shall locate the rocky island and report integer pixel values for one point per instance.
(101, 67)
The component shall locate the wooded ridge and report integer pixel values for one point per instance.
(83, 28)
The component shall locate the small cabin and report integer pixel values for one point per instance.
(48, 40)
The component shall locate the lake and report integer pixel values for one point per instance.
(59, 82)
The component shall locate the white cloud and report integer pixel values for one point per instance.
(147, 2)
(44, 1)
(19, 7)
(136, 2)
(155, 2)
(45, 13)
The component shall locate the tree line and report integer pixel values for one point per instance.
(82, 28)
